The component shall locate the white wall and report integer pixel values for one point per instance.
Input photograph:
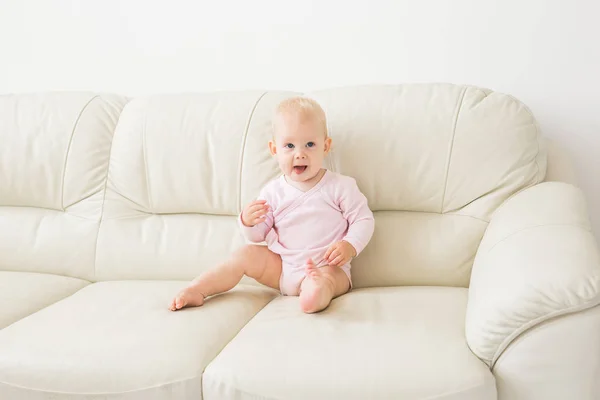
(546, 53)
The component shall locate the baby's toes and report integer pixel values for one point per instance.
(172, 305)
(180, 301)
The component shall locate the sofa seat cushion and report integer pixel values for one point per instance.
(118, 340)
(23, 293)
(377, 343)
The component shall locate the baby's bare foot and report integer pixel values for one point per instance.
(188, 297)
(317, 290)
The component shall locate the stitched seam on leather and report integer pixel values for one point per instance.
(254, 395)
(112, 141)
(68, 277)
(441, 395)
(142, 214)
(102, 393)
(83, 199)
(142, 209)
(243, 150)
(492, 190)
(52, 209)
(464, 215)
(549, 323)
(62, 190)
(148, 191)
(587, 229)
(538, 328)
(595, 301)
(459, 107)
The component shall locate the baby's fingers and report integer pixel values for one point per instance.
(338, 261)
(255, 205)
(260, 211)
(259, 217)
(328, 252)
(333, 255)
(255, 208)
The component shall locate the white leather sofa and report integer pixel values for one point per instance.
(481, 280)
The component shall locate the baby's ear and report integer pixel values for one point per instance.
(327, 145)
(272, 147)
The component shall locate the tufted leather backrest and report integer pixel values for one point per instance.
(54, 151)
(156, 194)
(435, 161)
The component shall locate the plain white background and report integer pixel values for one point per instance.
(546, 53)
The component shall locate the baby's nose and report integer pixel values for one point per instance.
(300, 154)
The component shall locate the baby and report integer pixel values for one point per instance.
(314, 221)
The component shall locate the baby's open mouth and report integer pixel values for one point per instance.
(299, 169)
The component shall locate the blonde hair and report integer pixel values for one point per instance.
(303, 106)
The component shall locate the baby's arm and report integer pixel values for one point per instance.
(258, 232)
(356, 210)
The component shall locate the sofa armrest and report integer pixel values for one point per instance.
(537, 260)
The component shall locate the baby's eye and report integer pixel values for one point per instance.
(289, 146)
(310, 144)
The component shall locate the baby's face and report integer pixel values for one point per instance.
(300, 146)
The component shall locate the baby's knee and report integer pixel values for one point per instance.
(249, 252)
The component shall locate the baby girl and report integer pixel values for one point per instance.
(314, 221)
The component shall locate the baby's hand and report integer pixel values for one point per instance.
(255, 212)
(340, 253)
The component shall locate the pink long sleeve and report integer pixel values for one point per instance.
(258, 232)
(356, 210)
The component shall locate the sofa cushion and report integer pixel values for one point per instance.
(449, 151)
(432, 249)
(178, 177)
(401, 343)
(54, 153)
(23, 293)
(118, 340)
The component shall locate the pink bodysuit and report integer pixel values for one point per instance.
(302, 225)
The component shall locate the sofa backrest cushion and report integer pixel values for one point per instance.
(434, 160)
(54, 151)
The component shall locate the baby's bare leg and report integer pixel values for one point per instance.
(320, 286)
(257, 262)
